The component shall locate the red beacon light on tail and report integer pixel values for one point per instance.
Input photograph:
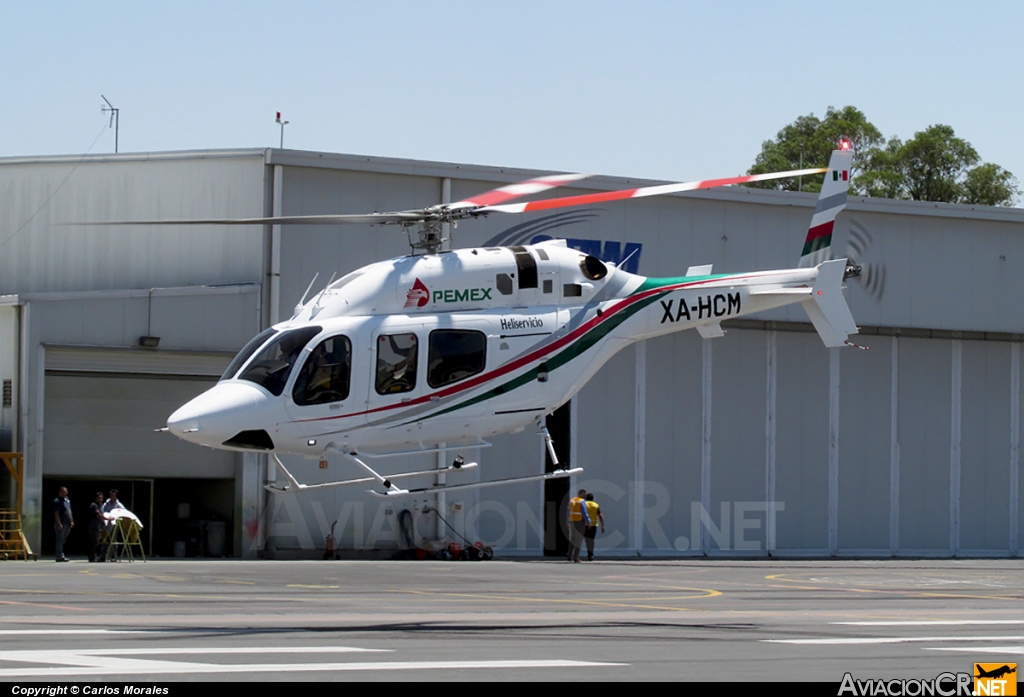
(845, 143)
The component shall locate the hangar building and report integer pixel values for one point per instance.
(759, 442)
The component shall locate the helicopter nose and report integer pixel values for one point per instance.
(222, 414)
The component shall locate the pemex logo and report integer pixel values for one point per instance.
(418, 295)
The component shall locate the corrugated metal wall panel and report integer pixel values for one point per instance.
(104, 427)
(865, 414)
(738, 385)
(802, 454)
(45, 254)
(985, 446)
(136, 361)
(673, 433)
(924, 437)
(606, 414)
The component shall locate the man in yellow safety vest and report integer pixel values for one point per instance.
(578, 522)
(595, 515)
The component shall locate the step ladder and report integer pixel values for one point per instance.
(13, 544)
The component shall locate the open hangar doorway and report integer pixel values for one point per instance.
(556, 491)
(193, 515)
(99, 433)
(135, 494)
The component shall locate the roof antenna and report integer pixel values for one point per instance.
(316, 305)
(623, 262)
(283, 124)
(115, 118)
(298, 308)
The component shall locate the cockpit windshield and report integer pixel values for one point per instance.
(271, 367)
(246, 353)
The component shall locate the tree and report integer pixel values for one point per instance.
(934, 165)
(809, 141)
(990, 185)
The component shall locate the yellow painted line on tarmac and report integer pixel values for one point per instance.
(705, 592)
(306, 585)
(102, 594)
(240, 583)
(897, 591)
(557, 601)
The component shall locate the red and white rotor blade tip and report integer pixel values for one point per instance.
(641, 192)
(513, 191)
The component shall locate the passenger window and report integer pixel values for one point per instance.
(325, 376)
(272, 366)
(396, 363)
(455, 354)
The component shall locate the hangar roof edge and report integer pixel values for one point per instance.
(493, 173)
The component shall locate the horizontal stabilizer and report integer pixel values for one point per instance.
(710, 331)
(788, 292)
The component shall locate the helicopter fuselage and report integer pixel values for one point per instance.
(455, 347)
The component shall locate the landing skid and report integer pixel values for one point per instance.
(294, 486)
(557, 474)
(387, 481)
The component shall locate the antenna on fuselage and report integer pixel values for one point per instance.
(316, 305)
(622, 263)
(298, 308)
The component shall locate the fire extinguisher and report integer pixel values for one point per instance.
(329, 543)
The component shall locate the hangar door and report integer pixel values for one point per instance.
(99, 434)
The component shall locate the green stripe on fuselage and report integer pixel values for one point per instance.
(654, 283)
(570, 352)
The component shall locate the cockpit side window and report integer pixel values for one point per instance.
(396, 363)
(246, 353)
(325, 376)
(271, 366)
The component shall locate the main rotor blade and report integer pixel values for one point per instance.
(363, 219)
(511, 191)
(641, 192)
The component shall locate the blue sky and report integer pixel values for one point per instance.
(660, 90)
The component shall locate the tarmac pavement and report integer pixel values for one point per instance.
(708, 620)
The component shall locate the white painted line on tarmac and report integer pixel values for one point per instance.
(922, 623)
(983, 649)
(83, 665)
(179, 650)
(889, 640)
(27, 632)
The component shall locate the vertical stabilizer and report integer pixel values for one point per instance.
(827, 307)
(831, 200)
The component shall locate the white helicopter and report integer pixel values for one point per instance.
(453, 347)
